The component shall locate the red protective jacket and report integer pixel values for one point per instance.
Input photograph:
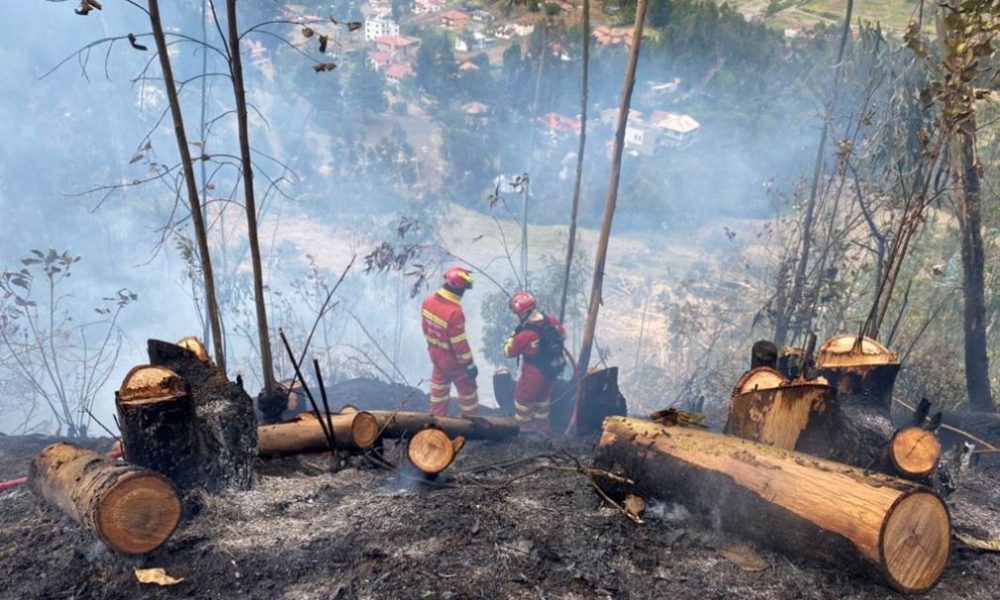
(444, 330)
(525, 343)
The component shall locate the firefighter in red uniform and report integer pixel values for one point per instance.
(538, 341)
(448, 346)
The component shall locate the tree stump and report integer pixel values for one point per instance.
(132, 510)
(600, 397)
(223, 433)
(859, 367)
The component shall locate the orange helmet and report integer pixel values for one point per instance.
(458, 278)
(522, 303)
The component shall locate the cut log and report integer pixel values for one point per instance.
(893, 529)
(224, 426)
(599, 398)
(860, 368)
(130, 509)
(913, 453)
(156, 419)
(195, 346)
(395, 425)
(432, 451)
(357, 431)
(796, 415)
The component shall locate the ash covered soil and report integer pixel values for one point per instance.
(305, 532)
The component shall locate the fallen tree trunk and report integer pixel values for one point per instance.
(130, 509)
(893, 529)
(432, 451)
(356, 431)
(913, 453)
(405, 424)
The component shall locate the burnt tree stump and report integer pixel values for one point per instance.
(215, 449)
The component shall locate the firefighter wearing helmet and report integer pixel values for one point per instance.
(538, 343)
(448, 346)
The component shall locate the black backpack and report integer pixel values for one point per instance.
(550, 359)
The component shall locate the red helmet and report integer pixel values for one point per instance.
(522, 303)
(458, 278)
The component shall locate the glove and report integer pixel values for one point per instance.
(471, 370)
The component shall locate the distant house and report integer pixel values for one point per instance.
(427, 6)
(611, 36)
(609, 116)
(380, 27)
(477, 113)
(397, 46)
(510, 30)
(555, 124)
(462, 45)
(482, 16)
(468, 66)
(454, 20)
(676, 129)
(396, 73)
(380, 60)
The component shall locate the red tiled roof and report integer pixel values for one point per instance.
(398, 71)
(396, 41)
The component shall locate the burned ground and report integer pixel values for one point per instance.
(305, 532)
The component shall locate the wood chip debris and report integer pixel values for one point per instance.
(992, 545)
(156, 575)
(744, 557)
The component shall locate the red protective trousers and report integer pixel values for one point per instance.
(445, 372)
(532, 400)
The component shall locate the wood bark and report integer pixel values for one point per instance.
(578, 176)
(794, 415)
(431, 451)
(600, 397)
(969, 208)
(130, 509)
(405, 424)
(624, 104)
(156, 418)
(894, 530)
(224, 427)
(356, 431)
(860, 368)
(187, 165)
(246, 164)
(503, 391)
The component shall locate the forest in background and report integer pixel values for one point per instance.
(709, 247)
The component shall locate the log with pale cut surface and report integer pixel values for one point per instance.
(861, 368)
(432, 451)
(156, 419)
(357, 431)
(130, 509)
(913, 453)
(796, 415)
(400, 424)
(896, 530)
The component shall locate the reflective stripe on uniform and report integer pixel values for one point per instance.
(522, 418)
(521, 407)
(437, 343)
(438, 399)
(466, 356)
(433, 318)
(458, 338)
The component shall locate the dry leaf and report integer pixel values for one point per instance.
(744, 557)
(634, 505)
(307, 32)
(322, 43)
(353, 26)
(135, 44)
(157, 576)
(978, 544)
(674, 417)
(322, 67)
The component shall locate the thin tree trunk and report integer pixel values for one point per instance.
(784, 320)
(584, 92)
(194, 200)
(612, 201)
(968, 202)
(236, 66)
(206, 333)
